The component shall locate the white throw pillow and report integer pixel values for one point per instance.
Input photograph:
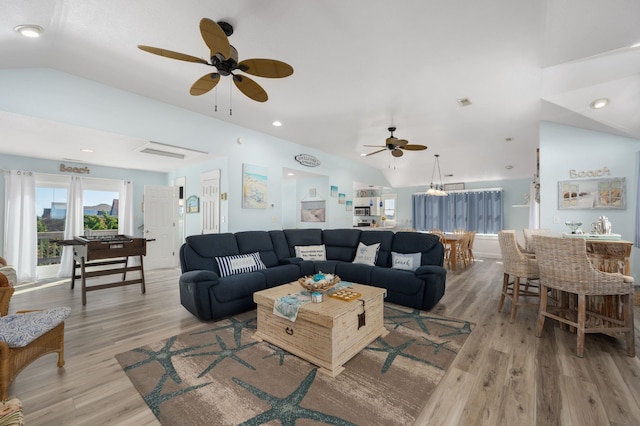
(230, 265)
(408, 261)
(311, 252)
(367, 254)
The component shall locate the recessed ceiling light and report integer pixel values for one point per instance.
(508, 139)
(508, 167)
(277, 123)
(464, 102)
(29, 30)
(600, 103)
(363, 155)
(289, 174)
(86, 150)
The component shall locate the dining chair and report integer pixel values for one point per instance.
(564, 266)
(523, 269)
(528, 234)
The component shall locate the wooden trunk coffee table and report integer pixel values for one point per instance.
(327, 334)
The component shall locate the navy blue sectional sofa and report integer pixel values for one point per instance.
(209, 295)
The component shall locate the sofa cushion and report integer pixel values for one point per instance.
(311, 252)
(278, 275)
(413, 242)
(199, 251)
(367, 254)
(397, 281)
(354, 272)
(341, 244)
(279, 241)
(258, 241)
(238, 286)
(240, 263)
(302, 237)
(406, 261)
(385, 238)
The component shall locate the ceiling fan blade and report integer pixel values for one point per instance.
(204, 84)
(375, 152)
(269, 68)
(215, 38)
(250, 88)
(171, 54)
(397, 153)
(414, 147)
(401, 142)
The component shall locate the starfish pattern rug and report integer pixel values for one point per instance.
(220, 375)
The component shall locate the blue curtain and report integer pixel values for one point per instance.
(479, 211)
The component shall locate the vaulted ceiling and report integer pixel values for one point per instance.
(360, 66)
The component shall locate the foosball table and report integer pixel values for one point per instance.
(106, 255)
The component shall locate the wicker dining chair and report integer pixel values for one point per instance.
(564, 266)
(518, 266)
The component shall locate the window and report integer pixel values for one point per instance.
(100, 201)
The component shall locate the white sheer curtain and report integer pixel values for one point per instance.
(20, 229)
(125, 215)
(125, 209)
(73, 225)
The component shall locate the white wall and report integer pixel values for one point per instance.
(565, 148)
(57, 96)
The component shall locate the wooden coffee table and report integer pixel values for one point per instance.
(327, 334)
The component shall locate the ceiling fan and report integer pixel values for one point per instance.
(396, 146)
(224, 57)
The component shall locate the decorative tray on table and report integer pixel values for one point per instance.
(319, 282)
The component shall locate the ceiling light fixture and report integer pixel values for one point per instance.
(599, 103)
(464, 102)
(29, 30)
(436, 190)
(277, 123)
(86, 150)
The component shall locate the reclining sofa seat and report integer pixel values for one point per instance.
(209, 296)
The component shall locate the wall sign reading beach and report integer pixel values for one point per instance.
(254, 187)
(588, 194)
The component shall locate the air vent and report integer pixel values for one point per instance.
(171, 151)
(464, 102)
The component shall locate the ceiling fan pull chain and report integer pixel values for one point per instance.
(216, 100)
(230, 100)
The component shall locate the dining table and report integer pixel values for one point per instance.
(451, 239)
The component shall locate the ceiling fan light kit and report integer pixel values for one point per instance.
(436, 190)
(396, 146)
(224, 58)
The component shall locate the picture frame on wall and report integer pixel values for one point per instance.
(334, 191)
(254, 187)
(313, 211)
(590, 194)
(193, 204)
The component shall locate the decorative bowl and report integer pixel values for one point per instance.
(319, 282)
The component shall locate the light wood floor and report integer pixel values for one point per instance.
(504, 375)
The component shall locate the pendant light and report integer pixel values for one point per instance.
(436, 190)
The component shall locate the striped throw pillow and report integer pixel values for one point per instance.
(230, 265)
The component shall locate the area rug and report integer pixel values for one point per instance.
(220, 375)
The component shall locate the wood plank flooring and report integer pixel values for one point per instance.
(504, 375)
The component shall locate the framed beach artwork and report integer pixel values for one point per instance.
(334, 191)
(589, 194)
(313, 211)
(342, 198)
(349, 205)
(254, 187)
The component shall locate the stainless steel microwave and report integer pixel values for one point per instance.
(361, 211)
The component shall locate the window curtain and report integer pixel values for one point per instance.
(125, 216)
(479, 211)
(73, 225)
(20, 226)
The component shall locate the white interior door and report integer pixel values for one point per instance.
(210, 202)
(159, 225)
